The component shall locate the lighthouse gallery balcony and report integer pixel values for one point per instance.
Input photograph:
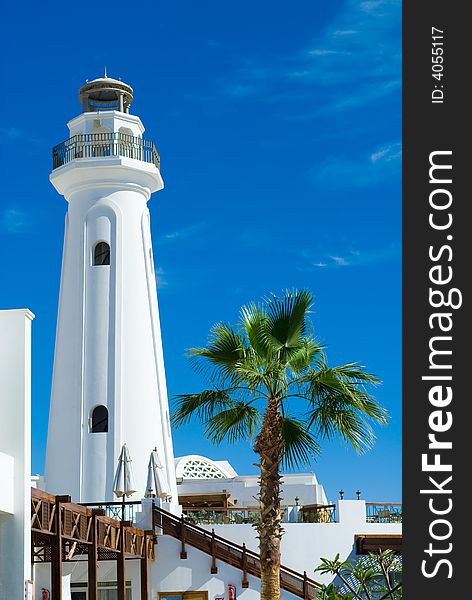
(95, 145)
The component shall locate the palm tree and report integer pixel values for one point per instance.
(270, 383)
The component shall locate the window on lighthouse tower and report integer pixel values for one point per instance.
(101, 254)
(99, 421)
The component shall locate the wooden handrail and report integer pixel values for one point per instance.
(230, 552)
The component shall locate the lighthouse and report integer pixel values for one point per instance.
(109, 384)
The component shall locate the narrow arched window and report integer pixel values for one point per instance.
(99, 420)
(101, 254)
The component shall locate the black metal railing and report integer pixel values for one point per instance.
(221, 516)
(95, 145)
(379, 512)
(322, 513)
(117, 510)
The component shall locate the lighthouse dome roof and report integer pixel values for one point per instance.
(105, 93)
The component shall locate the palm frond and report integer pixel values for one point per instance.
(299, 444)
(333, 416)
(225, 347)
(203, 406)
(287, 318)
(348, 383)
(255, 324)
(241, 421)
(341, 404)
(302, 357)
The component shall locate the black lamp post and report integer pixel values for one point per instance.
(341, 494)
(358, 494)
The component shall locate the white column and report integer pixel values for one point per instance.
(15, 452)
(108, 342)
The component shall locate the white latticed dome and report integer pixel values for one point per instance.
(199, 467)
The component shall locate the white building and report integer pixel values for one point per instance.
(108, 373)
(109, 385)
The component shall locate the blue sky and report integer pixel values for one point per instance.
(279, 129)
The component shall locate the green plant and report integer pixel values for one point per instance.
(269, 382)
(370, 579)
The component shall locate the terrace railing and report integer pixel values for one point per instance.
(57, 523)
(322, 513)
(221, 516)
(98, 145)
(117, 510)
(237, 516)
(383, 512)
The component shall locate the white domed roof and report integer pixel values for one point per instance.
(194, 466)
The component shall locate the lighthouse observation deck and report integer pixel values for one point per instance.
(105, 127)
(95, 145)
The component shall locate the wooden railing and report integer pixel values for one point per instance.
(228, 552)
(58, 517)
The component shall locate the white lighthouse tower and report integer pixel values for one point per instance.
(109, 383)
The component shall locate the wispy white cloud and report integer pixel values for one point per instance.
(339, 32)
(387, 153)
(161, 280)
(344, 67)
(13, 220)
(337, 172)
(352, 257)
(326, 52)
(339, 260)
(378, 7)
(10, 133)
(181, 234)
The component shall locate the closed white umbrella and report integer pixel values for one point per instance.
(124, 485)
(157, 485)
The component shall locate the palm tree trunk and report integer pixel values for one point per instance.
(269, 447)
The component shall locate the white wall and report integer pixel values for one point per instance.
(245, 489)
(303, 544)
(15, 449)
(7, 465)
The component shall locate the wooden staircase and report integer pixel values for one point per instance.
(233, 554)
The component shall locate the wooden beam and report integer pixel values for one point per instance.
(144, 569)
(56, 551)
(214, 568)
(183, 530)
(366, 543)
(120, 565)
(245, 582)
(93, 560)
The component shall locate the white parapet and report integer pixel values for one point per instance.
(15, 452)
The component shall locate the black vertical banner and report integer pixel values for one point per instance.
(437, 340)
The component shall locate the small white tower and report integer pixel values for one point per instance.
(109, 384)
